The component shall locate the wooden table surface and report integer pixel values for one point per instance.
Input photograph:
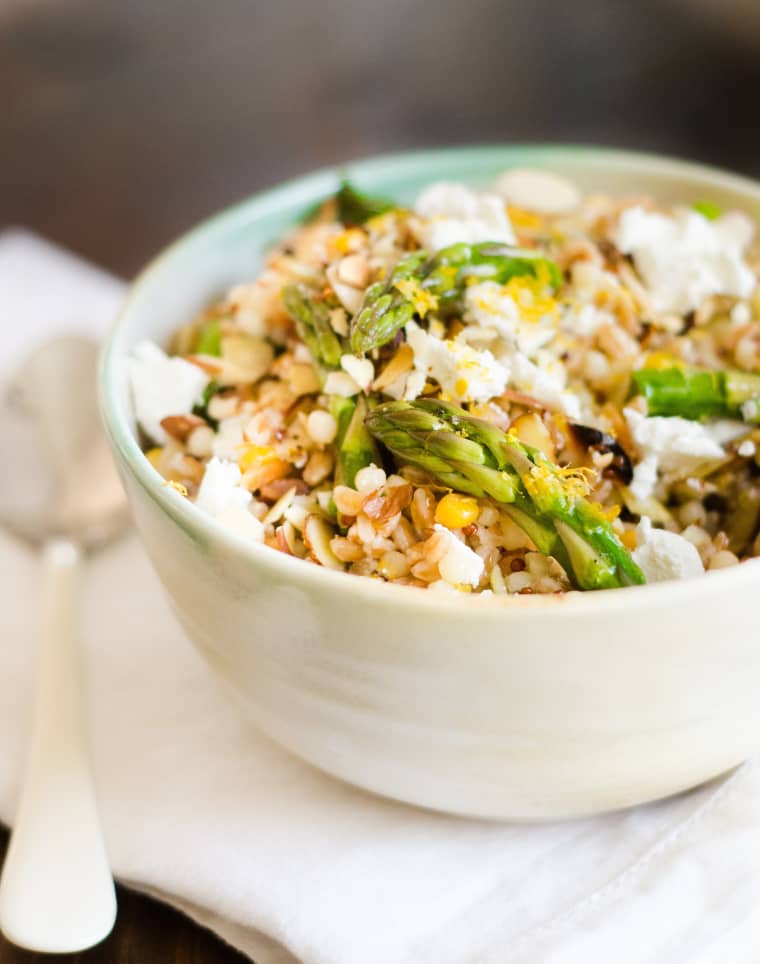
(124, 123)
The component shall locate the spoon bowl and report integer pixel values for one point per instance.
(58, 490)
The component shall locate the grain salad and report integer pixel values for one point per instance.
(513, 389)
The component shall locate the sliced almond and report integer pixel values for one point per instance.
(317, 535)
(354, 270)
(387, 502)
(210, 364)
(538, 190)
(350, 297)
(274, 490)
(278, 509)
(180, 426)
(360, 369)
(319, 466)
(285, 538)
(401, 363)
(532, 430)
(245, 358)
(303, 379)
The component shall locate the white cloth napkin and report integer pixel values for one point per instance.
(286, 863)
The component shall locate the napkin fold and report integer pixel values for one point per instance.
(284, 862)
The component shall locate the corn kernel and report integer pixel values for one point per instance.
(455, 511)
(628, 538)
(153, 456)
(255, 455)
(524, 220)
(662, 359)
(349, 241)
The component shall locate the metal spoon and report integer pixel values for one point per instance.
(58, 491)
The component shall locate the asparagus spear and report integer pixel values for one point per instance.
(696, 394)
(355, 446)
(385, 310)
(442, 279)
(209, 340)
(473, 456)
(312, 320)
(354, 207)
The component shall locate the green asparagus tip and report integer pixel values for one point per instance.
(473, 456)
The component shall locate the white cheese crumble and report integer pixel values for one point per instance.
(221, 496)
(663, 555)
(685, 258)
(539, 191)
(162, 386)
(230, 439)
(545, 380)
(459, 565)
(488, 304)
(464, 374)
(672, 445)
(723, 430)
(449, 212)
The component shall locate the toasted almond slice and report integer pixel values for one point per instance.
(285, 537)
(317, 536)
(351, 298)
(531, 430)
(210, 364)
(245, 358)
(354, 270)
(180, 426)
(401, 363)
(280, 506)
(272, 491)
(387, 502)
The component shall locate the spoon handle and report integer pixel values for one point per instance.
(56, 890)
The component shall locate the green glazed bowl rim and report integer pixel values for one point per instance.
(370, 173)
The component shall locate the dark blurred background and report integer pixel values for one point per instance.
(122, 123)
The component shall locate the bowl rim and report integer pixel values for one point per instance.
(307, 189)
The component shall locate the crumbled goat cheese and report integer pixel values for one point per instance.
(585, 320)
(487, 304)
(448, 212)
(162, 386)
(723, 430)
(221, 496)
(672, 445)
(663, 555)
(539, 191)
(464, 374)
(544, 380)
(684, 258)
(229, 439)
(460, 565)
(747, 449)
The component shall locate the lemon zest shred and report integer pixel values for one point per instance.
(177, 486)
(422, 300)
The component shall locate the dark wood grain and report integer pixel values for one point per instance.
(146, 933)
(124, 123)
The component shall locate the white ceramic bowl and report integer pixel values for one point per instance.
(535, 707)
